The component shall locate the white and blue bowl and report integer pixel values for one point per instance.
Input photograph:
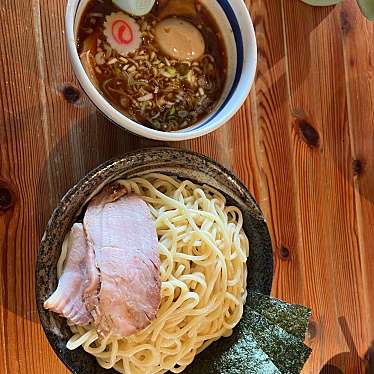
(237, 29)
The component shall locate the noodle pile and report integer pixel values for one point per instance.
(203, 251)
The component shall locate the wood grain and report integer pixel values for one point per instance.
(272, 146)
(22, 151)
(303, 143)
(317, 97)
(357, 35)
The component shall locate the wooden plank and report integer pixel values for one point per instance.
(358, 36)
(21, 156)
(322, 160)
(272, 145)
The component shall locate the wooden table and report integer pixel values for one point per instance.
(303, 143)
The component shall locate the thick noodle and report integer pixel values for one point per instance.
(203, 251)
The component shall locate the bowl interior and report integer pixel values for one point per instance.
(183, 164)
(238, 34)
(224, 18)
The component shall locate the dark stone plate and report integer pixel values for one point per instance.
(183, 164)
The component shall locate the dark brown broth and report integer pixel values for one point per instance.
(178, 102)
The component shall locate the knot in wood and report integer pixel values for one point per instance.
(345, 23)
(357, 167)
(308, 133)
(6, 199)
(284, 253)
(70, 93)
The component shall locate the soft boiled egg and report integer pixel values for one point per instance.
(179, 39)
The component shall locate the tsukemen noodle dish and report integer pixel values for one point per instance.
(152, 273)
(165, 70)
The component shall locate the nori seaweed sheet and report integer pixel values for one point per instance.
(291, 318)
(286, 351)
(237, 354)
(268, 340)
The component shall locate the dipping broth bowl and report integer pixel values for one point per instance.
(238, 33)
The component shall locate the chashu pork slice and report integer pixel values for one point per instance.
(121, 233)
(67, 300)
